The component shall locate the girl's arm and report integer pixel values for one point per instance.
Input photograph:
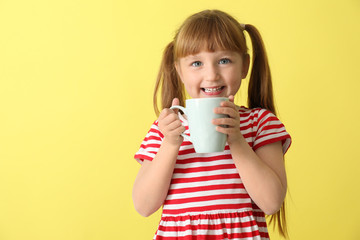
(263, 174)
(153, 180)
(263, 171)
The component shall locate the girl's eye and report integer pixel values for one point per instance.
(224, 61)
(196, 64)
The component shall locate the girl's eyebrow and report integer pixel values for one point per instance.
(229, 53)
(191, 56)
(219, 54)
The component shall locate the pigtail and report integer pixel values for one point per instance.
(169, 82)
(279, 220)
(260, 92)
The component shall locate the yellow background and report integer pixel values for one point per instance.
(76, 80)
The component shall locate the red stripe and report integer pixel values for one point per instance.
(219, 215)
(207, 208)
(248, 118)
(207, 198)
(258, 214)
(244, 127)
(192, 150)
(156, 131)
(204, 169)
(248, 113)
(222, 225)
(206, 188)
(143, 157)
(152, 137)
(205, 178)
(274, 120)
(203, 159)
(272, 140)
(186, 143)
(274, 128)
(263, 113)
(187, 151)
(264, 235)
(249, 135)
(152, 145)
(272, 133)
(225, 235)
(282, 135)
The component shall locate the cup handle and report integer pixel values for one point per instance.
(184, 111)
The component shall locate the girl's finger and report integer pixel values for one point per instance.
(227, 103)
(169, 118)
(231, 112)
(174, 125)
(231, 98)
(175, 102)
(226, 131)
(230, 122)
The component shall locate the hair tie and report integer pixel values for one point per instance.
(242, 25)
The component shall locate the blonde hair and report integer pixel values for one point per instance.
(214, 30)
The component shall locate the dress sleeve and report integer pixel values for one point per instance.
(150, 145)
(270, 130)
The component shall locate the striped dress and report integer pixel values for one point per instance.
(206, 198)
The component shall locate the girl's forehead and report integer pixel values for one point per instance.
(206, 52)
(194, 46)
(211, 54)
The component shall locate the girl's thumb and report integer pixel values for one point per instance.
(175, 102)
(231, 98)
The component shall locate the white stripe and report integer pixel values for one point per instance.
(219, 232)
(205, 193)
(244, 121)
(203, 163)
(149, 149)
(199, 155)
(269, 123)
(206, 203)
(146, 153)
(272, 130)
(205, 183)
(212, 212)
(263, 229)
(209, 221)
(272, 136)
(205, 173)
(151, 141)
(248, 117)
(249, 139)
(247, 131)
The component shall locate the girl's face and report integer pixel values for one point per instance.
(212, 74)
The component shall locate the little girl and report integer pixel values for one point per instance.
(214, 195)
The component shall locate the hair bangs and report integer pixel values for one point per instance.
(209, 32)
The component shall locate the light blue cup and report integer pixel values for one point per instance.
(203, 134)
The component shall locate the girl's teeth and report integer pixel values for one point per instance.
(208, 90)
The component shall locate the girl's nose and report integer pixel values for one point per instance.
(212, 73)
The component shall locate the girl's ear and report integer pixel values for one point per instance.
(178, 69)
(245, 67)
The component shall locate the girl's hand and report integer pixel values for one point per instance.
(232, 122)
(170, 125)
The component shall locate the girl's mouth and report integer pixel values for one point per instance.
(213, 90)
